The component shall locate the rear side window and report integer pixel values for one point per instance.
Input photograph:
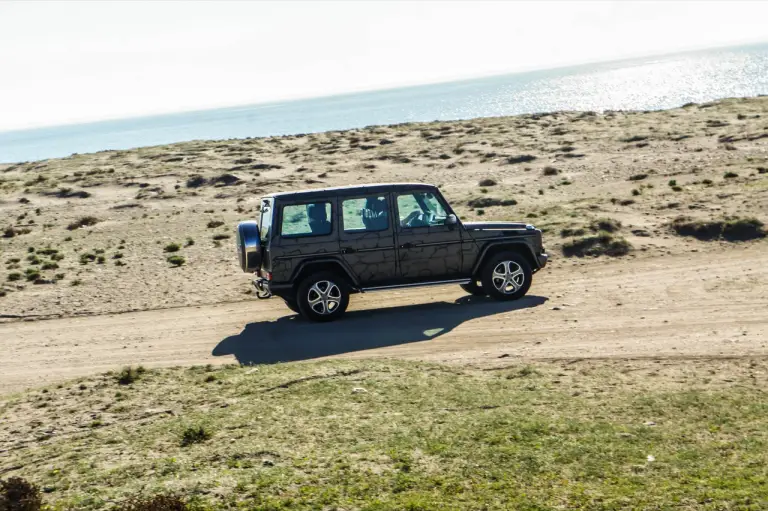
(366, 214)
(312, 219)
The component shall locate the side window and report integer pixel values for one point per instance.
(306, 219)
(420, 209)
(365, 214)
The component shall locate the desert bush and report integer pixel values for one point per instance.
(129, 375)
(706, 181)
(155, 503)
(176, 260)
(195, 181)
(189, 242)
(32, 274)
(118, 255)
(172, 247)
(14, 276)
(603, 243)
(635, 138)
(605, 224)
(677, 188)
(523, 158)
(194, 435)
(762, 170)
(9, 232)
(87, 258)
(730, 175)
(221, 236)
(485, 202)
(570, 231)
(672, 182)
(635, 192)
(550, 171)
(50, 266)
(100, 259)
(638, 177)
(85, 221)
(214, 224)
(76, 282)
(728, 229)
(487, 182)
(17, 494)
(33, 259)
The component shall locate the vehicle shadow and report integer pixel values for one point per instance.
(291, 338)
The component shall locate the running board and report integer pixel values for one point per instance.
(415, 284)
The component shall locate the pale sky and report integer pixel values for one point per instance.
(68, 62)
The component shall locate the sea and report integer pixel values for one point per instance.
(649, 83)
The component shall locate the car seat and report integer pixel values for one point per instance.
(318, 219)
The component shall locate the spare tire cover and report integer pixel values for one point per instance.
(249, 246)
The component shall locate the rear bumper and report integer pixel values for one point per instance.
(262, 288)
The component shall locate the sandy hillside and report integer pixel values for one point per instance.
(88, 234)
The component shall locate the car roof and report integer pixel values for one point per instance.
(352, 190)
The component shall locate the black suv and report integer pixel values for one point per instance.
(314, 248)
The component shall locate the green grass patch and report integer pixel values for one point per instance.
(728, 229)
(421, 436)
(602, 243)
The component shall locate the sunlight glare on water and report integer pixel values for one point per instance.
(639, 84)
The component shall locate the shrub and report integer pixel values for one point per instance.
(189, 242)
(156, 503)
(635, 138)
(706, 181)
(14, 276)
(50, 266)
(76, 282)
(730, 175)
(523, 158)
(118, 255)
(87, 258)
(33, 259)
(487, 182)
(194, 435)
(605, 224)
(221, 236)
(9, 232)
(550, 171)
(672, 182)
(172, 247)
(569, 231)
(100, 259)
(603, 243)
(214, 224)
(129, 375)
(176, 260)
(638, 177)
(195, 181)
(16, 494)
(730, 229)
(485, 202)
(635, 192)
(85, 221)
(32, 274)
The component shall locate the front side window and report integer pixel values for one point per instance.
(306, 219)
(420, 209)
(365, 214)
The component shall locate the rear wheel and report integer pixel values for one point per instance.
(474, 288)
(507, 276)
(323, 296)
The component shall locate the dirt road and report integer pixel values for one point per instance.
(712, 304)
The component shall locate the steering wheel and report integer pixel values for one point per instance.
(418, 219)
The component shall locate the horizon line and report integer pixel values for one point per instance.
(296, 99)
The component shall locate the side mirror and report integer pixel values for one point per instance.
(451, 220)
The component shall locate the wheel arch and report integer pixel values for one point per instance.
(492, 249)
(306, 268)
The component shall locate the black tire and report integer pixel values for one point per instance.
(473, 289)
(324, 282)
(506, 289)
(291, 304)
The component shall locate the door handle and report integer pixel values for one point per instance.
(407, 245)
(348, 250)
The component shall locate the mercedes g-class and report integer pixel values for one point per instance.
(314, 248)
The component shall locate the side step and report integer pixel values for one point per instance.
(414, 284)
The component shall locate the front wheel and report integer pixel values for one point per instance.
(507, 276)
(323, 296)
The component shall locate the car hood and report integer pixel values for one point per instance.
(495, 226)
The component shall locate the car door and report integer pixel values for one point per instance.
(428, 249)
(367, 239)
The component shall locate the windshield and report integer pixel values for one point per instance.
(265, 221)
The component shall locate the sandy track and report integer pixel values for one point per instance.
(712, 304)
